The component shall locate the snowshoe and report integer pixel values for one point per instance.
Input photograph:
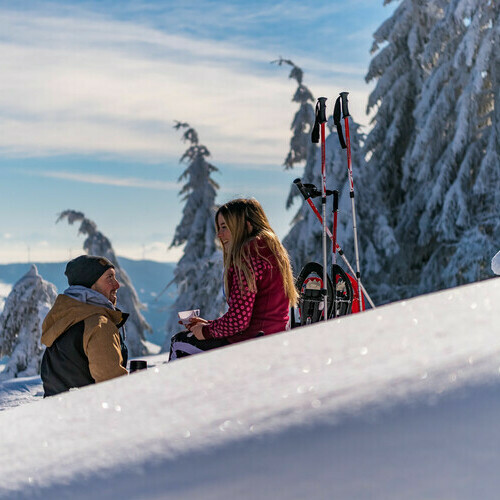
(343, 292)
(309, 284)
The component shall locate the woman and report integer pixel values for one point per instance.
(258, 282)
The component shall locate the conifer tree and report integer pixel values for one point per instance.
(127, 300)
(198, 274)
(451, 171)
(435, 144)
(21, 324)
(399, 73)
(301, 124)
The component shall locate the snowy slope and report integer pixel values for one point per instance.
(398, 402)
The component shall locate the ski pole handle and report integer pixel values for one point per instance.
(345, 108)
(336, 121)
(321, 110)
(302, 189)
(320, 117)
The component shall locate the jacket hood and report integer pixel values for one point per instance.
(67, 311)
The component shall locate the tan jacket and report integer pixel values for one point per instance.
(101, 338)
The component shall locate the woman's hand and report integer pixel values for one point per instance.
(197, 330)
(195, 321)
(196, 327)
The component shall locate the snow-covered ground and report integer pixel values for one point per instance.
(400, 402)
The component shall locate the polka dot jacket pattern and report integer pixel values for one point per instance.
(251, 313)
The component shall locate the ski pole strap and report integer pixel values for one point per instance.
(338, 124)
(345, 108)
(320, 117)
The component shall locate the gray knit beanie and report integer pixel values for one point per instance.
(86, 270)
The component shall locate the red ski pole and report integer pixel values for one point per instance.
(334, 249)
(345, 115)
(307, 197)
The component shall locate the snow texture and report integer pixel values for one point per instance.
(21, 324)
(397, 402)
(128, 301)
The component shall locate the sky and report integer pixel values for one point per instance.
(90, 91)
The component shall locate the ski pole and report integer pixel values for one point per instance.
(309, 201)
(334, 249)
(347, 145)
(320, 120)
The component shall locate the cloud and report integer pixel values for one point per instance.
(132, 182)
(81, 83)
(62, 250)
(135, 182)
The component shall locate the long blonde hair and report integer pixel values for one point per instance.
(246, 220)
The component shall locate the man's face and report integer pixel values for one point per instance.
(107, 285)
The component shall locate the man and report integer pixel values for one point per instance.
(82, 330)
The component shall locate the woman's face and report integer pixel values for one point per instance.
(223, 232)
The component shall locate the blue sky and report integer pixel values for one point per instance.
(89, 92)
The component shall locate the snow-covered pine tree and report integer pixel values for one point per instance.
(449, 221)
(21, 324)
(303, 241)
(128, 301)
(198, 274)
(300, 143)
(398, 70)
(300, 241)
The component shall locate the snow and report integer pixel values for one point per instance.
(495, 263)
(21, 321)
(18, 391)
(5, 289)
(397, 402)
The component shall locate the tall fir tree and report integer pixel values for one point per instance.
(21, 324)
(300, 143)
(198, 274)
(97, 244)
(434, 148)
(451, 172)
(398, 70)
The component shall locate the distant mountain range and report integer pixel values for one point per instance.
(148, 277)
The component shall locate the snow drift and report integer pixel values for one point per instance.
(397, 402)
